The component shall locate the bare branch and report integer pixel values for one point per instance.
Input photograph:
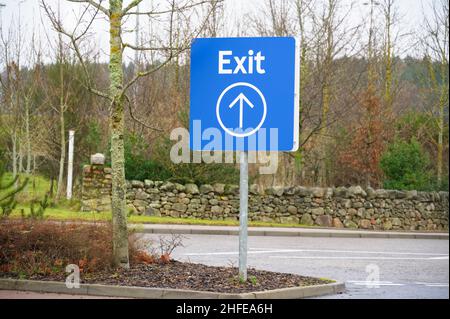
(181, 8)
(140, 48)
(149, 71)
(133, 4)
(137, 120)
(172, 54)
(96, 5)
(56, 23)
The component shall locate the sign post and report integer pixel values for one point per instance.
(244, 97)
(243, 215)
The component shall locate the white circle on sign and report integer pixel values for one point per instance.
(219, 100)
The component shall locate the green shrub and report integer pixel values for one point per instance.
(405, 166)
(198, 173)
(137, 164)
(434, 185)
(160, 167)
(37, 213)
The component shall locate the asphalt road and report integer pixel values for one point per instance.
(370, 267)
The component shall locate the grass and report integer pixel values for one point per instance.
(36, 188)
(327, 280)
(65, 214)
(66, 210)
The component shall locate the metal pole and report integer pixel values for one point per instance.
(243, 216)
(70, 165)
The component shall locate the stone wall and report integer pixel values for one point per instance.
(351, 207)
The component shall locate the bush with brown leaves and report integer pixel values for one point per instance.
(29, 247)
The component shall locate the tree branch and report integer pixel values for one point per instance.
(181, 49)
(139, 48)
(133, 4)
(148, 72)
(96, 5)
(182, 8)
(137, 120)
(73, 40)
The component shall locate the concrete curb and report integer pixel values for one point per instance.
(163, 293)
(289, 232)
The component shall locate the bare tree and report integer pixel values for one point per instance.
(12, 44)
(436, 44)
(216, 21)
(31, 85)
(115, 13)
(389, 16)
(331, 38)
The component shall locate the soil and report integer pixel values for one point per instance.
(181, 275)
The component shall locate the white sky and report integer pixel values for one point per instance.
(33, 19)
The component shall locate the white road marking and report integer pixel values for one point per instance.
(432, 284)
(361, 252)
(390, 283)
(374, 283)
(352, 257)
(381, 282)
(272, 251)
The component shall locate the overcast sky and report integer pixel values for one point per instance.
(32, 18)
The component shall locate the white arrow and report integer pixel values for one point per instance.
(241, 98)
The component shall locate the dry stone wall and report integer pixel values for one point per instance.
(352, 207)
(96, 185)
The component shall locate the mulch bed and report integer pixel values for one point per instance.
(181, 275)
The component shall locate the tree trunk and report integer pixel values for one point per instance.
(14, 156)
(440, 146)
(388, 60)
(323, 138)
(118, 205)
(27, 135)
(20, 157)
(51, 186)
(62, 157)
(326, 92)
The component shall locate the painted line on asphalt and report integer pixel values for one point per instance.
(444, 255)
(390, 283)
(271, 251)
(374, 283)
(432, 284)
(236, 252)
(368, 281)
(354, 257)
